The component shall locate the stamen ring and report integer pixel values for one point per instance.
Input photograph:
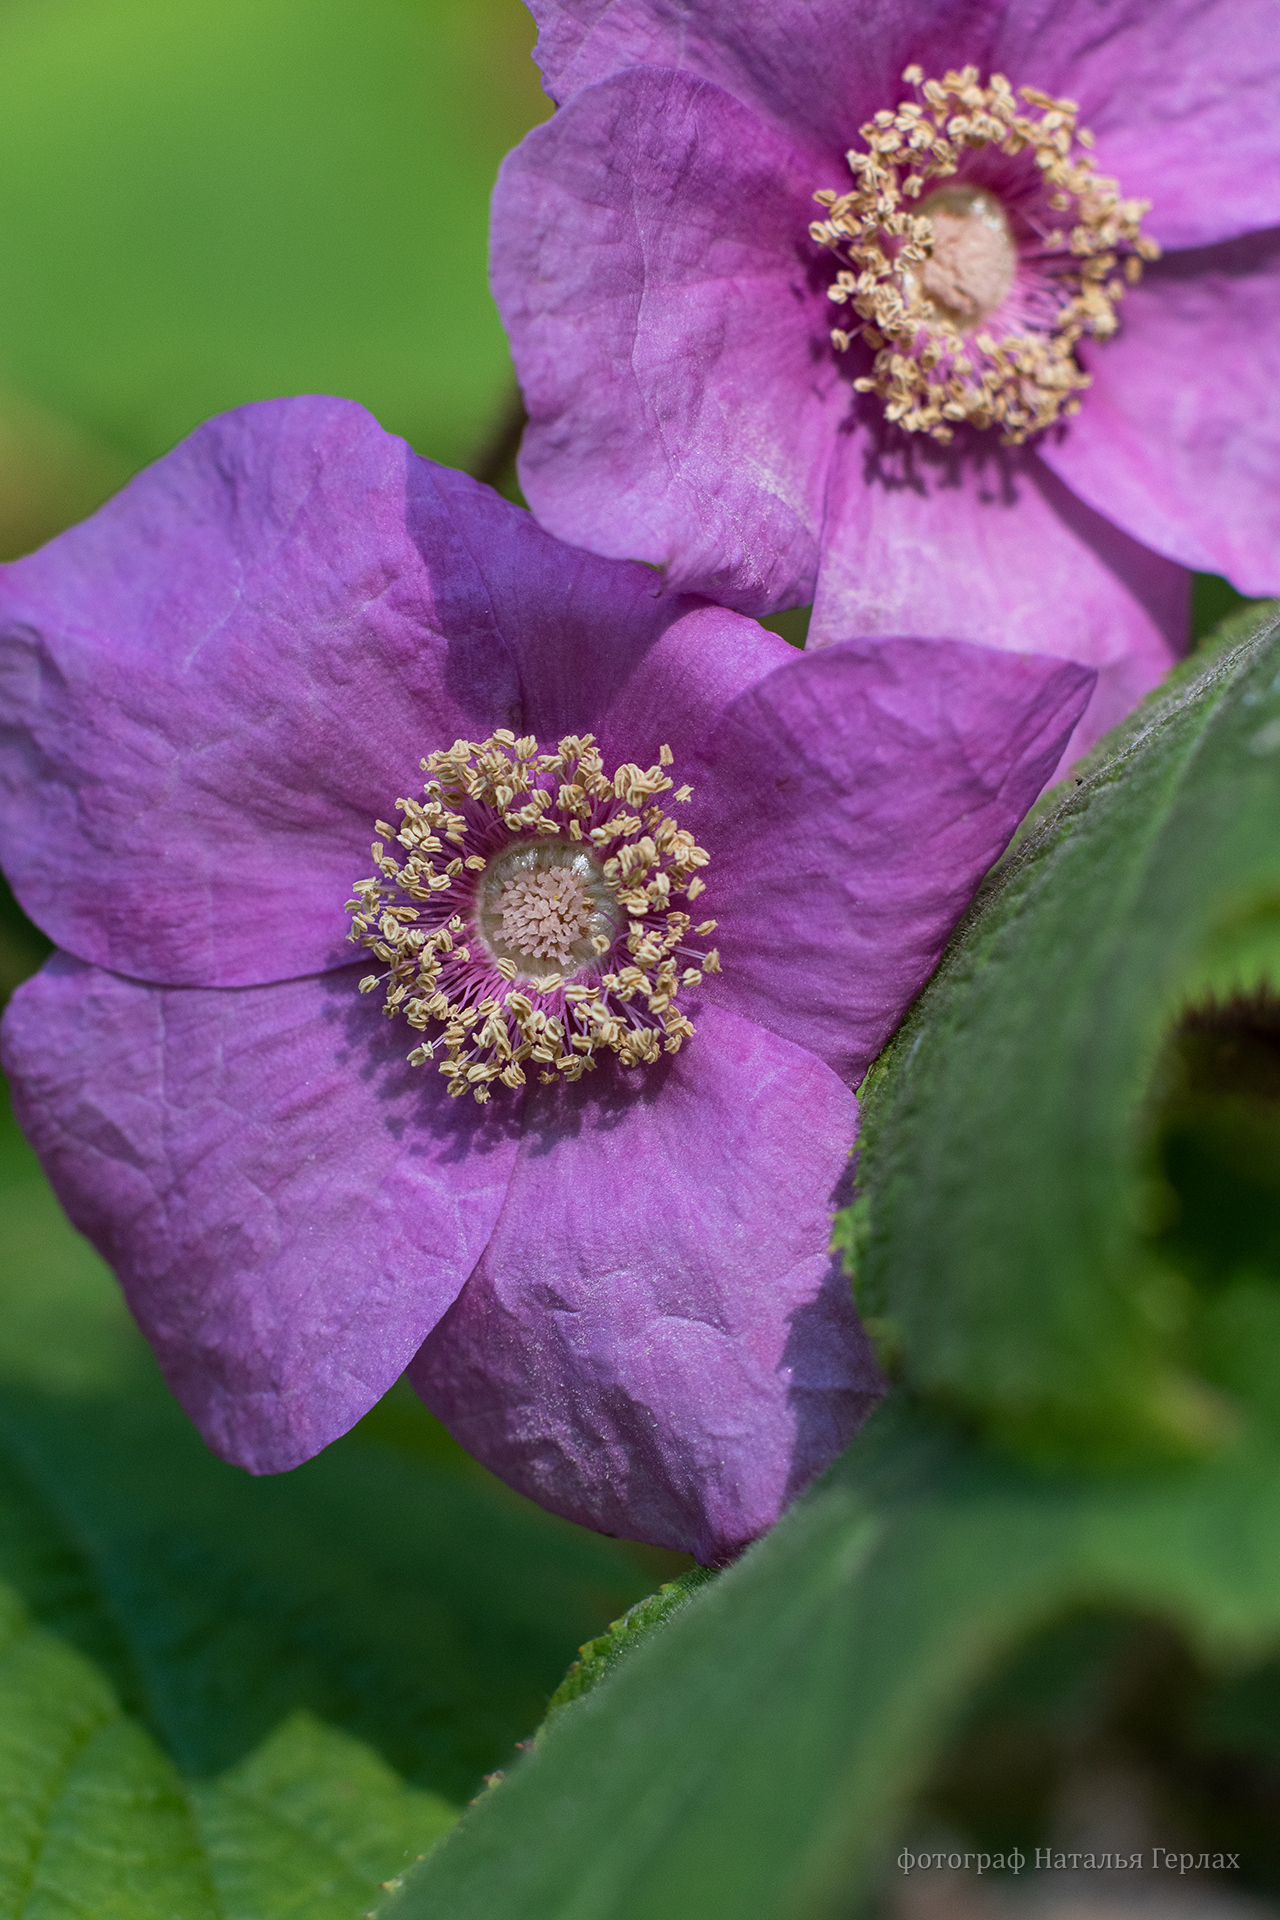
(972, 326)
(534, 914)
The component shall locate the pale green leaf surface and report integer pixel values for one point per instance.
(310, 1825)
(753, 1754)
(98, 1822)
(1003, 1239)
(94, 1819)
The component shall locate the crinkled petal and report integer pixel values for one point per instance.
(1179, 439)
(985, 543)
(652, 263)
(602, 648)
(1180, 93)
(816, 67)
(211, 690)
(657, 1342)
(855, 798)
(289, 1207)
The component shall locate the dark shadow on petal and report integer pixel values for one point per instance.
(524, 617)
(835, 1382)
(1235, 259)
(898, 462)
(1130, 562)
(598, 1103)
(480, 672)
(413, 1099)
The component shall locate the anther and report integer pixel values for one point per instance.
(506, 942)
(968, 321)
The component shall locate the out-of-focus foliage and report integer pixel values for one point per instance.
(259, 1699)
(232, 1697)
(204, 202)
(756, 1754)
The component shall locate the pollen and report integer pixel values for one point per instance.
(974, 295)
(526, 913)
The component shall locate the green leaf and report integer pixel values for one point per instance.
(205, 205)
(244, 1698)
(95, 1819)
(310, 1825)
(754, 1754)
(597, 1658)
(98, 1820)
(1006, 1241)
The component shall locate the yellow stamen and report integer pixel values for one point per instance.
(543, 905)
(931, 283)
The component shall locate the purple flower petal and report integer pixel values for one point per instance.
(986, 544)
(289, 1207)
(1180, 94)
(673, 407)
(1180, 438)
(601, 648)
(212, 689)
(657, 1342)
(834, 898)
(652, 262)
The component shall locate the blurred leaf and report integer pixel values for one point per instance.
(311, 1824)
(206, 204)
(22, 946)
(214, 1689)
(98, 1821)
(754, 1755)
(95, 1820)
(1010, 1189)
(1213, 600)
(1105, 1730)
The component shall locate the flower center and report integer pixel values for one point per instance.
(534, 916)
(973, 296)
(545, 900)
(970, 270)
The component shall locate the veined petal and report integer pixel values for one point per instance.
(289, 1207)
(1180, 439)
(657, 1342)
(212, 690)
(810, 66)
(855, 799)
(985, 543)
(652, 263)
(1180, 94)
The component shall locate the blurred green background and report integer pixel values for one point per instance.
(208, 204)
